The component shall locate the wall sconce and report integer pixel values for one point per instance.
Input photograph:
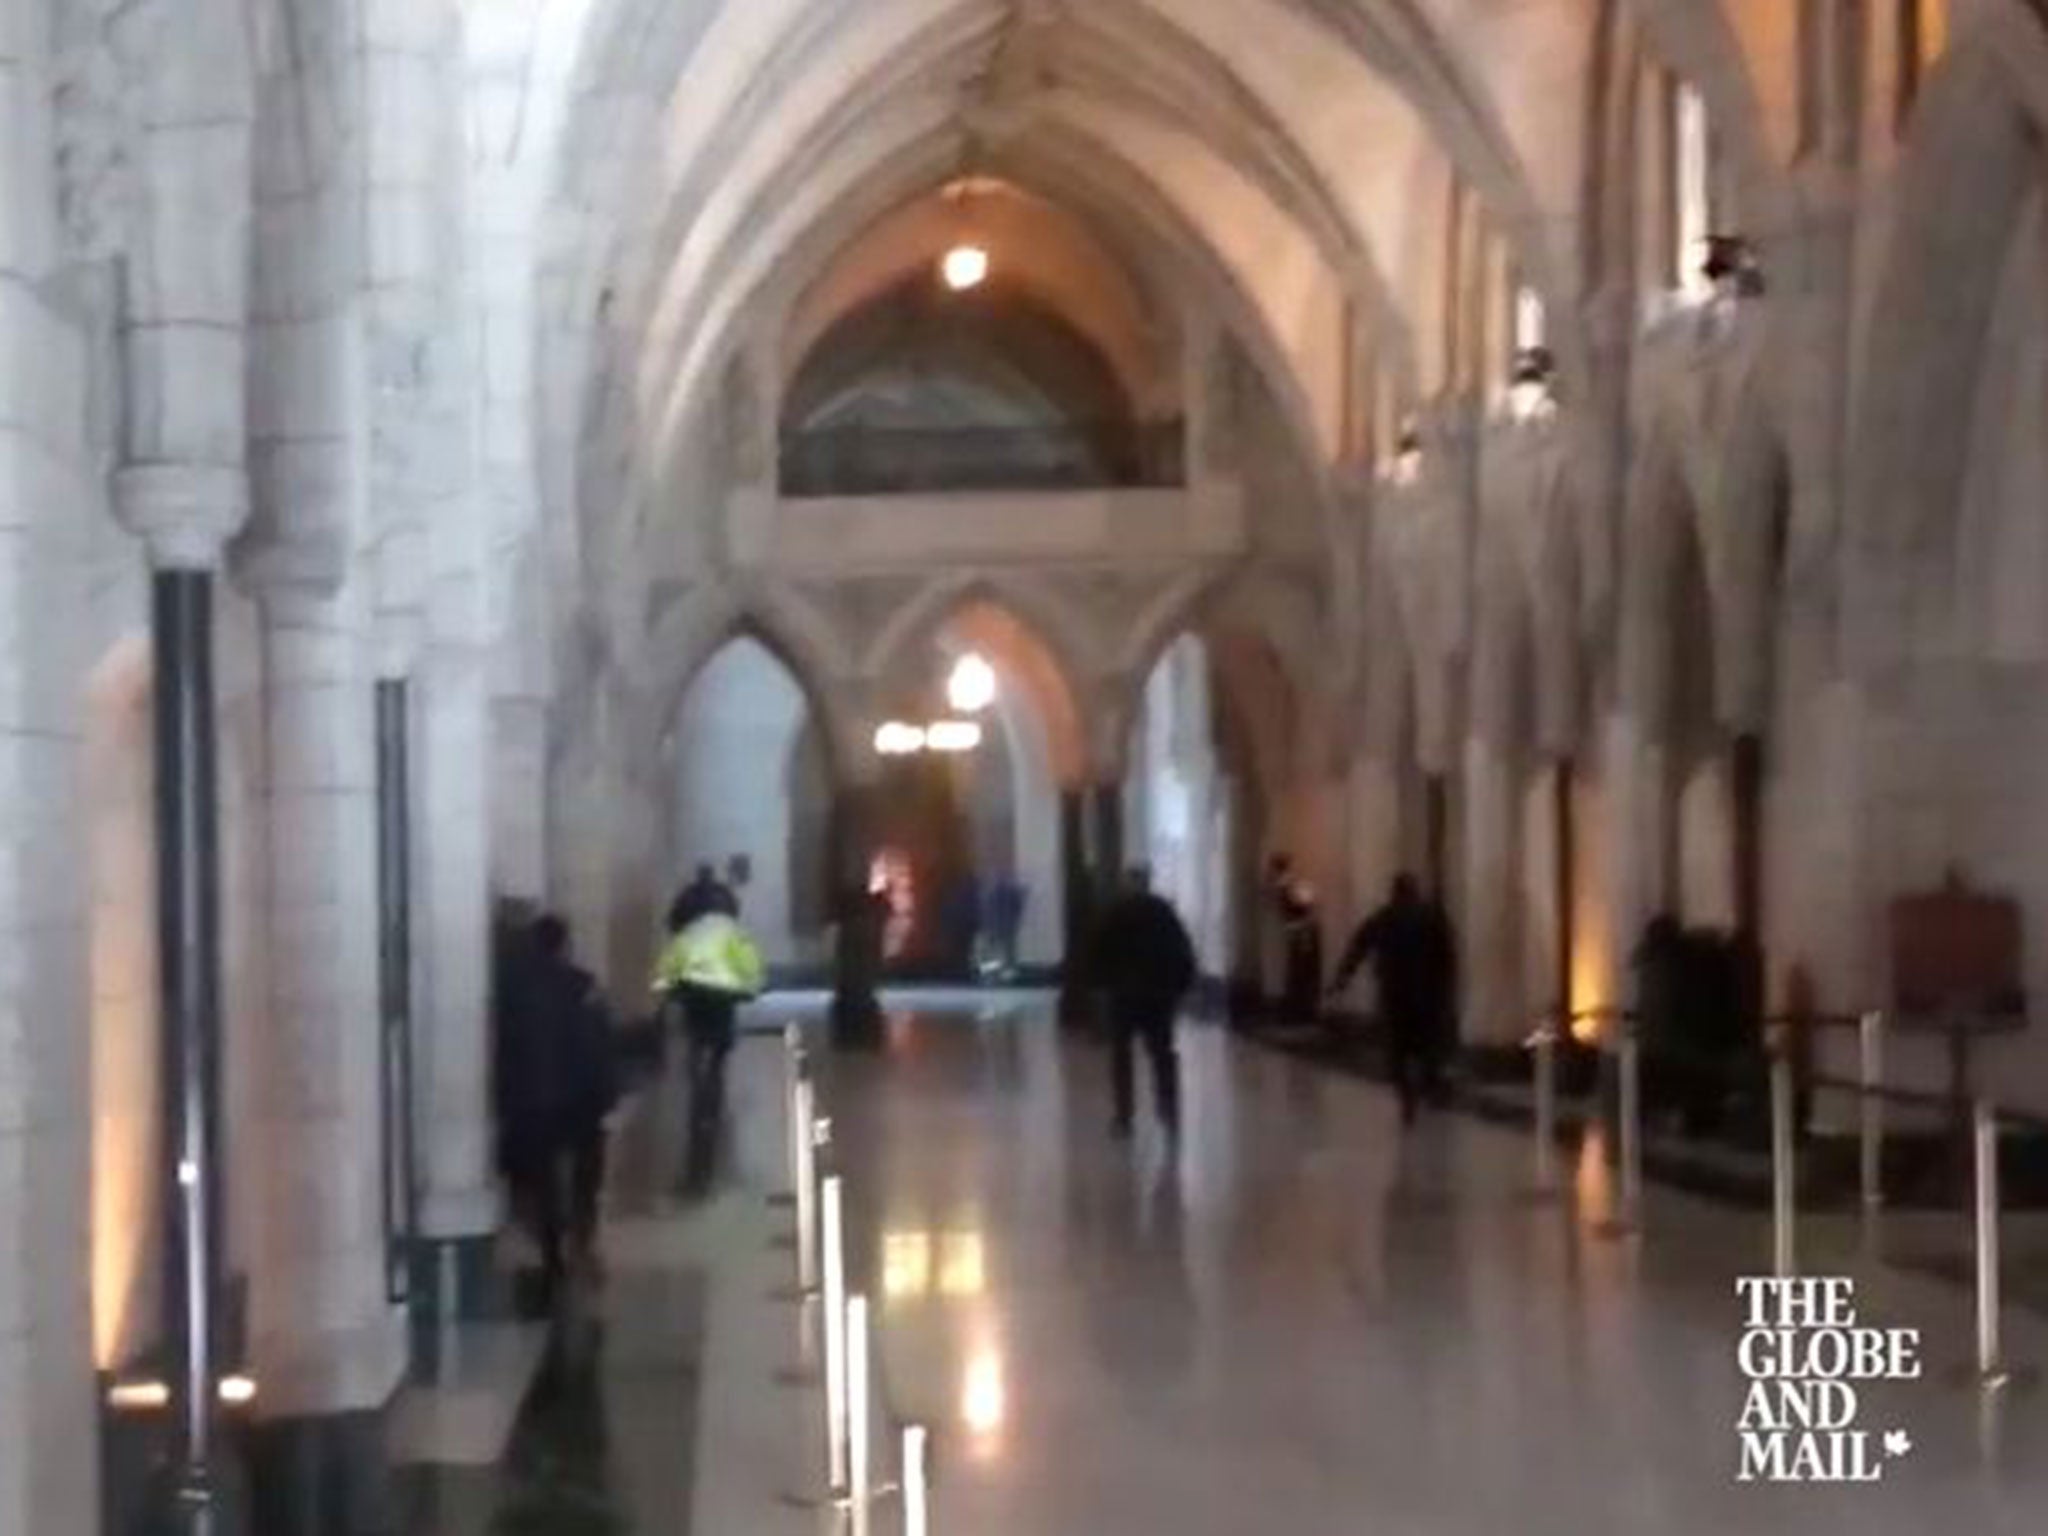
(1731, 265)
(1408, 455)
(1530, 396)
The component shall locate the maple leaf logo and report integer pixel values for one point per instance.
(1897, 1442)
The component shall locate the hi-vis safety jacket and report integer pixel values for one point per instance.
(714, 953)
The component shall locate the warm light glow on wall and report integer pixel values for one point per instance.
(963, 1265)
(964, 267)
(984, 1400)
(1589, 980)
(906, 1264)
(972, 686)
(125, 1199)
(919, 1264)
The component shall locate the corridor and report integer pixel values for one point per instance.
(1306, 1322)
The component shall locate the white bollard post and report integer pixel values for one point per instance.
(1546, 1108)
(806, 1189)
(1627, 1217)
(1784, 1170)
(792, 1082)
(917, 1477)
(835, 1332)
(1991, 1369)
(859, 1401)
(1870, 1110)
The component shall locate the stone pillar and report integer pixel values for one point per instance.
(1492, 952)
(432, 618)
(1077, 905)
(1106, 838)
(518, 796)
(857, 965)
(327, 1340)
(459, 1204)
(48, 1416)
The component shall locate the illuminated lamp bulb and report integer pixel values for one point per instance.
(898, 739)
(953, 736)
(972, 686)
(964, 267)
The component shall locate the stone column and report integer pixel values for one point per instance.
(1106, 837)
(1493, 1003)
(48, 1416)
(459, 1204)
(185, 491)
(1077, 905)
(328, 1341)
(185, 513)
(429, 524)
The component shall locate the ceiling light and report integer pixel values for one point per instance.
(953, 736)
(972, 686)
(964, 267)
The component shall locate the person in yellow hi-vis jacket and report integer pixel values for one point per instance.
(710, 967)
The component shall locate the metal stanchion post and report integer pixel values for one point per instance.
(1546, 1108)
(806, 1189)
(793, 1074)
(1784, 1170)
(835, 1332)
(1870, 1110)
(1627, 1218)
(1991, 1368)
(917, 1518)
(859, 1400)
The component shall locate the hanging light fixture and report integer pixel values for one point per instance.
(966, 263)
(964, 267)
(971, 687)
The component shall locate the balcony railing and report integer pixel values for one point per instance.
(860, 461)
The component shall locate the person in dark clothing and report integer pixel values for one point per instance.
(1302, 932)
(556, 1085)
(1414, 956)
(705, 893)
(1143, 961)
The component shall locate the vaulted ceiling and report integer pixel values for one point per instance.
(1287, 162)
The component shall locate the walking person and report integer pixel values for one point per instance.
(1414, 957)
(710, 967)
(1143, 962)
(705, 893)
(557, 1083)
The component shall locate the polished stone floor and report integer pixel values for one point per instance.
(1308, 1321)
(1303, 1320)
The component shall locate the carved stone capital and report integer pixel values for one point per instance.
(184, 513)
